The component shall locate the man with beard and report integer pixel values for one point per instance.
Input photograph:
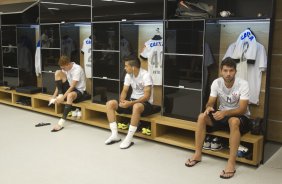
(233, 113)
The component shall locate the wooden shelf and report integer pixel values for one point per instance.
(177, 140)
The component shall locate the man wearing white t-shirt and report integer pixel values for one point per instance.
(140, 102)
(233, 112)
(70, 86)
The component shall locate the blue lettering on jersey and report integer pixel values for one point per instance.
(249, 35)
(88, 42)
(154, 44)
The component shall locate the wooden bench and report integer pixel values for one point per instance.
(166, 130)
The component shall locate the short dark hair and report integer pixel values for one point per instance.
(228, 62)
(133, 61)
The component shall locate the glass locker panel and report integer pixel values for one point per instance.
(182, 103)
(48, 83)
(106, 36)
(105, 90)
(106, 64)
(70, 41)
(50, 58)
(183, 71)
(10, 56)
(9, 36)
(184, 37)
(50, 36)
(11, 77)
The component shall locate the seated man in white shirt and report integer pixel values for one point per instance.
(233, 113)
(140, 102)
(70, 86)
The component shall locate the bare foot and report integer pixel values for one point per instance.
(57, 128)
(193, 160)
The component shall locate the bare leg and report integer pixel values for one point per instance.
(234, 142)
(203, 121)
(111, 107)
(138, 108)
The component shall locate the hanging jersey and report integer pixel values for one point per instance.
(86, 49)
(38, 59)
(153, 51)
(254, 72)
(229, 97)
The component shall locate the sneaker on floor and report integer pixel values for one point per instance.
(216, 144)
(126, 144)
(112, 139)
(207, 143)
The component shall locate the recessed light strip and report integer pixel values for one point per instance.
(117, 1)
(45, 2)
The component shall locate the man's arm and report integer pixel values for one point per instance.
(210, 104)
(55, 93)
(71, 88)
(145, 97)
(241, 110)
(123, 93)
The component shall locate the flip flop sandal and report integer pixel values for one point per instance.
(229, 174)
(192, 163)
(124, 126)
(56, 130)
(42, 124)
(144, 131)
(119, 125)
(148, 132)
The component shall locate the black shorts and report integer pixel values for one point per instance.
(66, 86)
(148, 108)
(223, 124)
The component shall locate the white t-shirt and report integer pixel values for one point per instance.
(139, 83)
(86, 49)
(153, 51)
(76, 73)
(229, 97)
(254, 72)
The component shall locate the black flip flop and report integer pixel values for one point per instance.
(42, 124)
(192, 163)
(230, 173)
(54, 130)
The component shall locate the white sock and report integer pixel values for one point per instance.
(114, 129)
(61, 122)
(114, 136)
(128, 139)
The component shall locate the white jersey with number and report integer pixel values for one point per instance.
(86, 49)
(139, 83)
(254, 71)
(229, 98)
(153, 51)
